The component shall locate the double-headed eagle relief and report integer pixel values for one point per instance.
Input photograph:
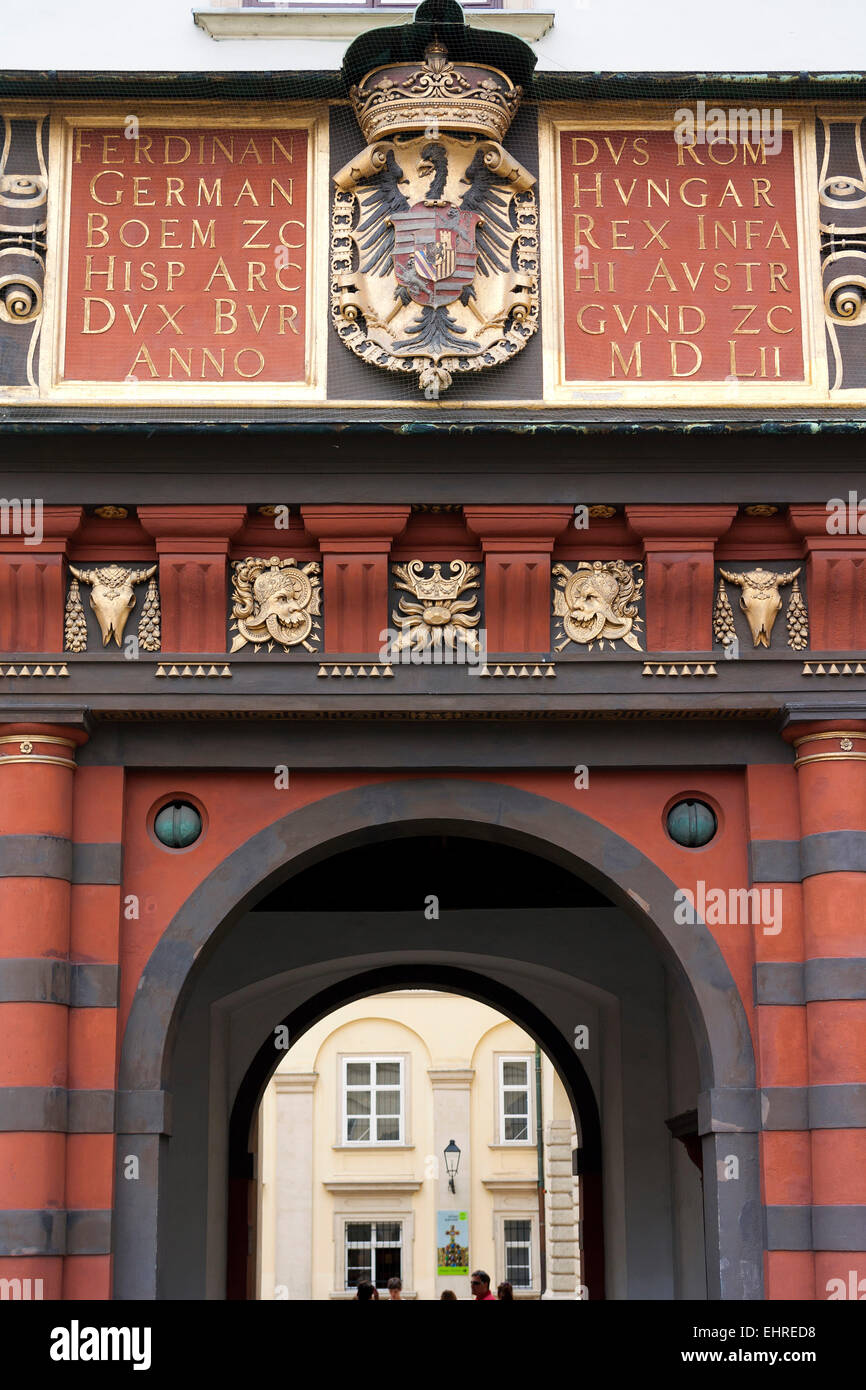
(434, 253)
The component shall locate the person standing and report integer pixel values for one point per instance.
(395, 1290)
(480, 1286)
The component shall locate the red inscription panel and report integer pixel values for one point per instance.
(680, 263)
(187, 256)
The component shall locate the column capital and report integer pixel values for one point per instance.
(355, 529)
(517, 528)
(666, 527)
(57, 525)
(192, 529)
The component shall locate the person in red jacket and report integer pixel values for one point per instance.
(480, 1286)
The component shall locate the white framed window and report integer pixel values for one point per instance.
(515, 1100)
(374, 1251)
(517, 1241)
(373, 1100)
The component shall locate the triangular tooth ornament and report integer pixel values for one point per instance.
(25, 671)
(819, 670)
(647, 670)
(511, 671)
(523, 671)
(387, 671)
(660, 670)
(807, 669)
(536, 670)
(348, 671)
(374, 670)
(846, 670)
(160, 671)
(497, 670)
(711, 670)
(362, 671)
(834, 670)
(212, 671)
(199, 670)
(858, 670)
(11, 671)
(686, 671)
(335, 670)
(550, 671)
(699, 670)
(51, 671)
(64, 671)
(37, 670)
(485, 671)
(173, 671)
(226, 671)
(672, 671)
(187, 671)
(321, 671)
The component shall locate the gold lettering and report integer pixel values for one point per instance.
(134, 322)
(134, 222)
(777, 232)
(206, 236)
(661, 272)
(108, 145)
(750, 309)
(251, 146)
(580, 323)
(259, 357)
(94, 230)
(87, 327)
(167, 141)
(174, 193)
(229, 313)
(616, 244)
(616, 356)
(779, 309)
(219, 367)
(281, 234)
(165, 244)
(762, 190)
(249, 244)
(144, 358)
(693, 347)
(246, 192)
(221, 270)
(579, 230)
(288, 314)
(731, 192)
(137, 200)
(735, 370)
(287, 195)
(594, 187)
(277, 144)
(215, 191)
(703, 196)
(582, 140)
(90, 273)
(256, 271)
(174, 355)
(106, 173)
(694, 309)
(778, 271)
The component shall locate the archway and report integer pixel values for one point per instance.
(454, 980)
(486, 810)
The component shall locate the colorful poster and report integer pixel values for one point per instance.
(452, 1240)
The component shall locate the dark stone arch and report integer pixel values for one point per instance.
(452, 980)
(511, 816)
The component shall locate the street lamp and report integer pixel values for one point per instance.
(452, 1163)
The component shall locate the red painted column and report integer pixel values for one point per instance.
(36, 782)
(835, 581)
(780, 1028)
(517, 542)
(678, 543)
(193, 546)
(32, 583)
(831, 773)
(355, 542)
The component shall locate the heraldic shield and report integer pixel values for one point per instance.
(434, 245)
(434, 252)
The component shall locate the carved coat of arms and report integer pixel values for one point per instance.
(434, 251)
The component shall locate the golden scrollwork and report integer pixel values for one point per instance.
(597, 602)
(761, 602)
(276, 602)
(444, 613)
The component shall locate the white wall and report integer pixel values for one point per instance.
(589, 35)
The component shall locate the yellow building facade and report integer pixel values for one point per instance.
(352, 1175)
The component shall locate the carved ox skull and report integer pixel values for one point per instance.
(760, 599)
(111, 596)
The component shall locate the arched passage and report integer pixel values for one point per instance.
(487, 810)
(454, 980)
